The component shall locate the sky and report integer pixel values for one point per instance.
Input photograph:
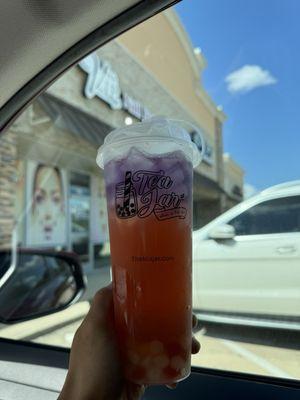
(253, 56)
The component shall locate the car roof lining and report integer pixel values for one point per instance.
(12, 102)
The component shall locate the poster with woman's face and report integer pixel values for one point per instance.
(46, 197)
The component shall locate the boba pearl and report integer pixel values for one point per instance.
(170, 373)
(156, 347)
(160, 361)
(133, 357)
(146, 362)
(174, 348)
(177, 363)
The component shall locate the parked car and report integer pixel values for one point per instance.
(242, 257)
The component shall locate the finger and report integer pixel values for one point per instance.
(101, 310)
(195, 346)
(102, 298)
(194, 321)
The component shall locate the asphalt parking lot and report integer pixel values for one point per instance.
(258, 351)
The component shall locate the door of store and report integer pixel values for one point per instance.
(80, 204)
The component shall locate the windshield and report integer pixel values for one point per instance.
(229, 71)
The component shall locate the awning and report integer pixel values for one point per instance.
(70, 118)
(205, 188)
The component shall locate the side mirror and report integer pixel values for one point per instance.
(34, 283)
(222, 232)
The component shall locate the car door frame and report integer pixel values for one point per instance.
(205, 382)
(133, 16)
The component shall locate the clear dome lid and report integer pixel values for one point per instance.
(160, 134)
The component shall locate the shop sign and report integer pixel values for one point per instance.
(103, 82)
(135, 108)
(208, 149)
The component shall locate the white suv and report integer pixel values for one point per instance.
(246, 262)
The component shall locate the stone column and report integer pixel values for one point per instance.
(220, 163)
(219, 152)
(8, 177)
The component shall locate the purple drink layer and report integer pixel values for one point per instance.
(140, 184)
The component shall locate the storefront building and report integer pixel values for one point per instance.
(52, 189)
(233, 181)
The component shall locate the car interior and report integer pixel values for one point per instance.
(40, 42)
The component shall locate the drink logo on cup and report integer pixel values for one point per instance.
(140, 195)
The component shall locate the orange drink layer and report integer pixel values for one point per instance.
(150, 224)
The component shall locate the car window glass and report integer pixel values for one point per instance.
(232, 74)
(274, 216)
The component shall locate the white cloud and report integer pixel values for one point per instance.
(249, 190)
(248, 78)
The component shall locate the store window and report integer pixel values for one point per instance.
(79, 203)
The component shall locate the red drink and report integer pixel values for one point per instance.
(150, 224)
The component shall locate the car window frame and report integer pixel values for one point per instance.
(210, 381)
(133, 16)
(265, 235)
(239, 209)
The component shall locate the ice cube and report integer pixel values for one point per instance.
(137, 160)
(176, 173)
(113, 173)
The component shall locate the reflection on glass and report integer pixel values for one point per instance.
(39, 283)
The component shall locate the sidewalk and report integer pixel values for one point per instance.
(29, 330)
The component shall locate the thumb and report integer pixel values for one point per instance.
(101, 313)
